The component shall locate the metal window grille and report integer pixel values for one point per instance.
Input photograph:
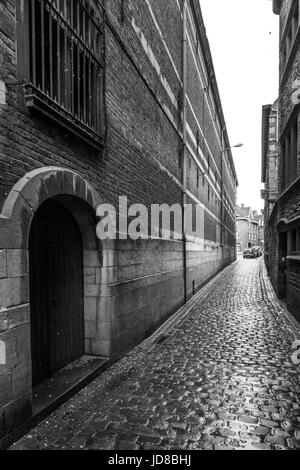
(66, 59)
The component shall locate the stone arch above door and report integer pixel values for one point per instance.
(82, 200)
(42, 184)
(16, 216)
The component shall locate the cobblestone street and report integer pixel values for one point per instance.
(221, 378)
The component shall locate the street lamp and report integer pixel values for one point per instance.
(237, 146)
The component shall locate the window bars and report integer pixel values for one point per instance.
(66, 67)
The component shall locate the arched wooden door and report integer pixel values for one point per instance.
(56, 290)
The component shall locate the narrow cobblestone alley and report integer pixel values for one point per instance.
(223, 378)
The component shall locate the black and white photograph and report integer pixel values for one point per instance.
(149, 228)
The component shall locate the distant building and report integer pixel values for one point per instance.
(284, 220)
(248, 225)
(261, 230)
(270, 171)
(259, 219)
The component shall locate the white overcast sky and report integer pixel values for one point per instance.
(243, 37)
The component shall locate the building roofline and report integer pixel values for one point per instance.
(199, 21)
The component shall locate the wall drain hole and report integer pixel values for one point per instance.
(161, 339)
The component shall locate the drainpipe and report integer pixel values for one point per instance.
(184, 142)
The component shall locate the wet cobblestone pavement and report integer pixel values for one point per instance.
(222, 379)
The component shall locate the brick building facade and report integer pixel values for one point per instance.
(284, 220)
(261, 230)
(101, 100)
(270, 170)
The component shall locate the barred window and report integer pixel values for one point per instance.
(66, 68)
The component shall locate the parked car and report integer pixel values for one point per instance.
(254, 250)
(257, 251)
(248, 254)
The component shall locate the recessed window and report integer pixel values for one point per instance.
(293, 240)
(289, 155)
(66, 70)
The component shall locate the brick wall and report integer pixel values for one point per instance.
(284, 217)
(273, 249)
(144, 281)
(293, 293)
(271, 177)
